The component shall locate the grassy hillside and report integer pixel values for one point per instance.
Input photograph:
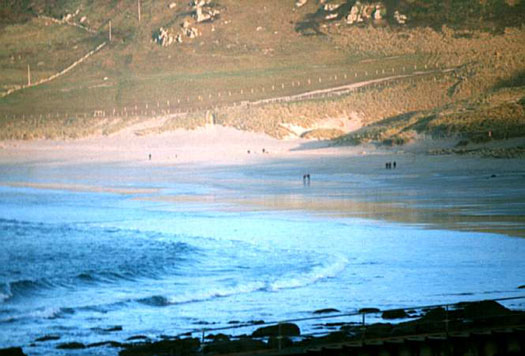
(255, 50)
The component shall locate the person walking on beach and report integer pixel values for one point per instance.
(394, 164)
(306, 179)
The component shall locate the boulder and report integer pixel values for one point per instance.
(244, 344)
(187, 346)
(394, 314)
(379, 12)
(12, 351)
(369, 310)
(285, 329)
(47, 338)
(105, 343)
(172, 5)
(434, 315)
(484, 309)
(400, 18)
(300, 3)
(331, 7)
(355, 14)
(71, 346)
(326, 311)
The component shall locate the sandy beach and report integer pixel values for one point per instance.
(450, 191)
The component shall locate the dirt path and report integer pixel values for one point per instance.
(343, 89)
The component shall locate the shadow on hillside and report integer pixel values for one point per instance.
(312, 145)
(516, 80)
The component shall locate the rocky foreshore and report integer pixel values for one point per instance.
(499, 329)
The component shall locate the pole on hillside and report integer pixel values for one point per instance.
(138, 8)
(28, 75)
(109, 30)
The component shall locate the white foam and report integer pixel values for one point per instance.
(4, 297)
(316, 274)
(218, 293)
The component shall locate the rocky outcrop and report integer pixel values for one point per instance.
(300, 3)
(361, 12)
(400, 18)
(201, 11)
(71, 346)
(165, 347)
(164, 37)
(285, 329)
(394, 314)
(12, 351)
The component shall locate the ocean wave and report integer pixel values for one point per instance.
(22, 287)
(316, 274)
(4, 296)
(104, 276)
(162, 301)
(41, 313)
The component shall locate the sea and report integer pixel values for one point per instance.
(98, 252)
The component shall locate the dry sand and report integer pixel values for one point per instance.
(210, 145)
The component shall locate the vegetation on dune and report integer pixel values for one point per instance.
(498, 116)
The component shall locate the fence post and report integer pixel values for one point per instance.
(279, 338)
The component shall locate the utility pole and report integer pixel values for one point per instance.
(109, 30)
(138, 8)
(28, 75)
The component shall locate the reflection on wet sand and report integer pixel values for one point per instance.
(83, 188)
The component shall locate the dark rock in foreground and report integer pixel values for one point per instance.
(12, 351)
(71, 346)
(326, 311)
(483, 309)
(369, 310)
(394, 314)
(105, 343)
(110, 329)
(285, 329)
(244, 344)
(48, 338)
(165, 347)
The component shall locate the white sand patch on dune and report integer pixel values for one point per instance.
(207, 145)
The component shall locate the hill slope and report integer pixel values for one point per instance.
(251, 50)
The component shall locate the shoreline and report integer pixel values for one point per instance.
(483, 194)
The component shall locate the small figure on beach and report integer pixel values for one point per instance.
(149, 156)
(248, 151)
(394, 164)
(388, 165)
(306, 179)
(263, 150)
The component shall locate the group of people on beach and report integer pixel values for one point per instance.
(390, 165)
(306, 179)
(263, 151)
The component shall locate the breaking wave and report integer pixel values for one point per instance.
(316, 274)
